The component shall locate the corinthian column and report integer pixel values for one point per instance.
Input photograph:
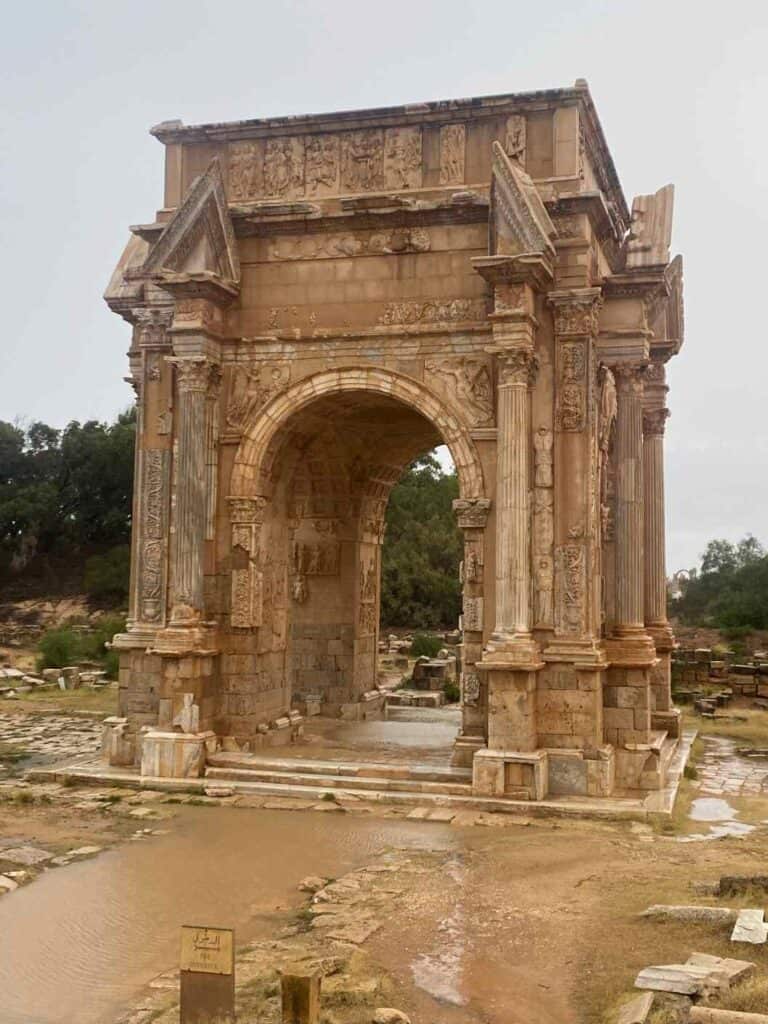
(629, 500)
(517, 371)
(193, 377)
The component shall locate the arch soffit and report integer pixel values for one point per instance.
(266, 423)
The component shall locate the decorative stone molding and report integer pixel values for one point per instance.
(576, 315)
(471, 513)
(571, 396)
(151, 325)
(468, 381)
(195, 374)
(247, 517)
(152, 527)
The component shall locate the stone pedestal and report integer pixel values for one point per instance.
(118, 745)
(510, 773)
(175, 755)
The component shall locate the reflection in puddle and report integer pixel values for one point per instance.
(439, 973)
(712, 809)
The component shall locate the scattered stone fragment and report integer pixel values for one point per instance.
(60, 862)
(7, 884)
(684, 979)
(706, 915)
(750, 927)
(26, 855)
(706, 888)
(312, 883)
(441, 814)
(737, 885)
(354, 931)
(219, 791)
(418, 813)
(84, 851)
(388, 1015)
(735, 970)
(636, 1010)
(708, 1015)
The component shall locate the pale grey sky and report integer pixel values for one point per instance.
(681, 94)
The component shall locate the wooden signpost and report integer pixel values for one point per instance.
(207, 975)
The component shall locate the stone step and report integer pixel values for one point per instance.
(356, 770)
(326, 782)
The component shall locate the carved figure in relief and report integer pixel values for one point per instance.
(283, 167)
(164, 422)
(251, 388)
(367, 618)
(472, 566)
(299, 589)
(321, 559)
(321, 164)
(402, 158)
(433, 312)
(543, 520)
(515, 141)
(470, 688)
(362, 161)
(608, 407)
(544, 577)
(368, 582)
(341, 246)
(452, 145)
(468, 381)
(571, 565)
(472, 619)
(244, 170)
(542, 445)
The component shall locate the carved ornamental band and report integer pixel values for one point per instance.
(654, 422)
(518, 366)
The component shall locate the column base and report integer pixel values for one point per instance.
(137, 635)
(175, 755)
(518, 775)
(118, 744)
(574, 772)
(464, 750)
(669, 721)
(177, 640)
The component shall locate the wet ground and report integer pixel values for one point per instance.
(727, 782)
(77, 945)
(48, 739)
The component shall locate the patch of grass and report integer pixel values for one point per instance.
(103, 700)
(751, 996)
(425, 645)
(751, 727)
(691, 771)
(329, 796)
(23, 797)
(452, 692)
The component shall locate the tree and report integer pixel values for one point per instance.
(422, 549)
(730, 591)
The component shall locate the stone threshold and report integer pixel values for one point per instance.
(353, 769)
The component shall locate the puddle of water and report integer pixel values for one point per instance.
(79, 944)
(439, 972)
(713, 809)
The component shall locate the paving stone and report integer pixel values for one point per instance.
(26, 855)
(683, 979)
(8, 884)
(636, 1010)
(709, 915)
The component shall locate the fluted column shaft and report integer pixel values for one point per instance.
(193, 377)
(513, 534)
(655, 542)
(629, 500)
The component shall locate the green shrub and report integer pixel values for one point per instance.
(57, 648)
(425, 645)
(452, 692)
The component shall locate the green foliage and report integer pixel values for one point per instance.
(64, 493)
(425, 646)
(422, 550)
(106, 576)
(451, 691)
(730, 591)
(67, 645)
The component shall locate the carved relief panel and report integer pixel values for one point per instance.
(466, 381)
(251, 387)
(284, 167)
(246, 178)
(402, 158)
(321, 164)
(571, 406)
(452, 150)
(155, 481)
(362, 161)
(247, 517)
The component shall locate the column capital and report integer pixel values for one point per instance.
(517, 366)
(246, 510)
(471, 513)
(629, 376)
(576, 311)
(654, 422)
(151, 324)
(196, 373)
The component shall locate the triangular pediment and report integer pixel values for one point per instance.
(519, 220)
(199, 238)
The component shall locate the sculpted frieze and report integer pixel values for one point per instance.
(323, 247)
(321, 164)
(543, 443)
(467, 381)
(452, 150)
(402, 158)
(471, 513)
(572, 379)
(472, 618)
(470, 688)
(571, 564)
(319, 559)
(515, 138)
(246, 179)
(453, 310)
(284, 167)
(362, 161)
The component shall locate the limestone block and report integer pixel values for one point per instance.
(567, 773)
(636, 1010)
(118, 745)
(175, 755)
(750, 927)
(511, 773)
(300, 997)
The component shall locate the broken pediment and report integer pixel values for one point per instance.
(519, 222)
(650, 233)
(198, 239)
(123, 290)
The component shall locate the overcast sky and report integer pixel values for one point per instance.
(681, 95)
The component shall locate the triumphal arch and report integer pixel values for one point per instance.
(320, 300)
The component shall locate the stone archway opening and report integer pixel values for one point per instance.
(325, 479)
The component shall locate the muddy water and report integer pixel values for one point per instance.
(82, 941)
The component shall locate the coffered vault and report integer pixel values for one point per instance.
(320, 300)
